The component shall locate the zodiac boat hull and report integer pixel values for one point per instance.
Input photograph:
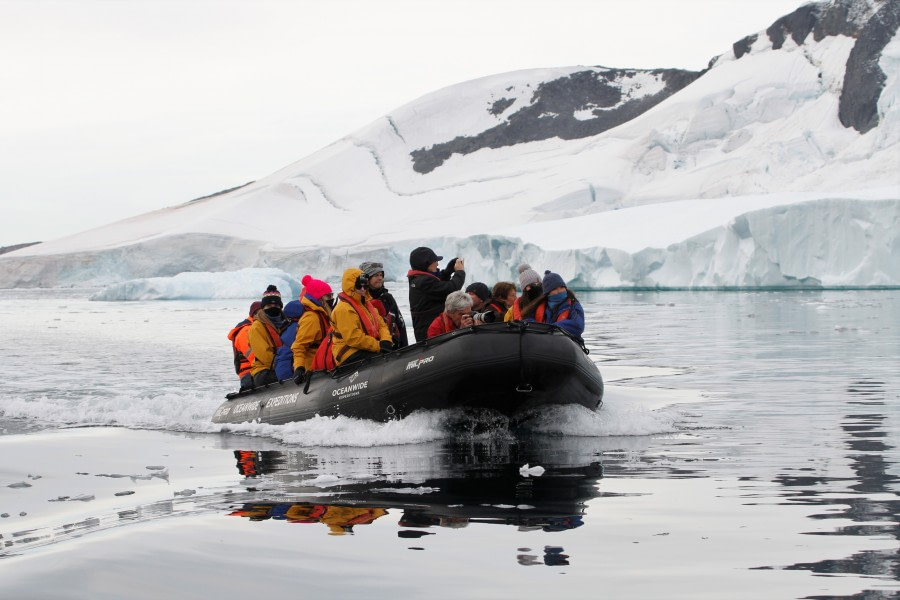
(508, 367)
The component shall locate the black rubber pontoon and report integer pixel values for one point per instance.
(508, 367)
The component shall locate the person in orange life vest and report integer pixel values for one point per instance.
(240, 346)
(265, 336)
(395, 322)
(457, 315)
(359, 331)
(313, 325)
(556, 305)
(284, 356)
(428, 287)
(530, 282)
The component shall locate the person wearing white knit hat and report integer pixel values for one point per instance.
(530, 282)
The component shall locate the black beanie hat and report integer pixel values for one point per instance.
(271, 296)
(481, 290)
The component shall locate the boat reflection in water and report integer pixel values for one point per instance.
(533, 484)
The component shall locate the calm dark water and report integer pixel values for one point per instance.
(748, 448)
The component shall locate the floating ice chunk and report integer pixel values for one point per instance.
(527, 471)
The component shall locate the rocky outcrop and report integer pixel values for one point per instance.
(872, 23)
(579, 105)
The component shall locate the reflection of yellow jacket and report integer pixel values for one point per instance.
(348, 328)
(309, 333)
(339, 517)
(336, 517)
(262, 343)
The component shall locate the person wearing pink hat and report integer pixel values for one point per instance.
(313, 326)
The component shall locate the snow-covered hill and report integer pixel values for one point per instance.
(777, 166)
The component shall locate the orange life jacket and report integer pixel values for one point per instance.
(324, 357)
(539, 313)
(240, 345)
(368, 319)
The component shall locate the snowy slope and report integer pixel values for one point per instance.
(778, 166)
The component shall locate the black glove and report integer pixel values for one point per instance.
(299, 375)
(386, 346)
(447, 271)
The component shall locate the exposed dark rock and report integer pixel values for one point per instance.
(798, 25)
(742, 47)
(237, 187)
(551, 113)
(863, 77)
(500, 105)
(14, 247)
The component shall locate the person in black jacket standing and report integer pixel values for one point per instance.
(428, 287)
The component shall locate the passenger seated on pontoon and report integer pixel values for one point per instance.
(457, 315)
(394, 320)
(479, 293)
(313, 325)
(240, 346)
(265, 336)
(530, 282)
(556, 305)
(359, 331)
(284, 356)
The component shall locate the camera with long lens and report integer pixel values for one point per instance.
(485, 317)
(362, 282)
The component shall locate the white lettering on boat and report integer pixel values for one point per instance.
(350, 390)
(415, 364)
(246, 407)
(283, 399)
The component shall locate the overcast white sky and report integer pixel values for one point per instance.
(112, 108)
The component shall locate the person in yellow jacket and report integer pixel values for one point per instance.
(313, 325)
(359, 331)
(265, 337)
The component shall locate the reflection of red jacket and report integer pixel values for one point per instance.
(240, 344)
(442, 324)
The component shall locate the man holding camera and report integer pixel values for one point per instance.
(359, 331)
(457, 315)
(428, 287)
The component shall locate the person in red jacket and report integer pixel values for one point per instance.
(240, 345)
(457, 315)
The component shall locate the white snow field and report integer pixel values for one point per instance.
(743, 178)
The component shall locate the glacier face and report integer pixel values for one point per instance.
(245, 283)
(761, 129)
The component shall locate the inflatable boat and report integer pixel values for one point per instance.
(508, 367)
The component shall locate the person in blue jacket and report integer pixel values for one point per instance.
(284, 356)
(556, 305)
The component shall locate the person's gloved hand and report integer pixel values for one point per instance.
(447, 271)
(299, 375)
(385, 346)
